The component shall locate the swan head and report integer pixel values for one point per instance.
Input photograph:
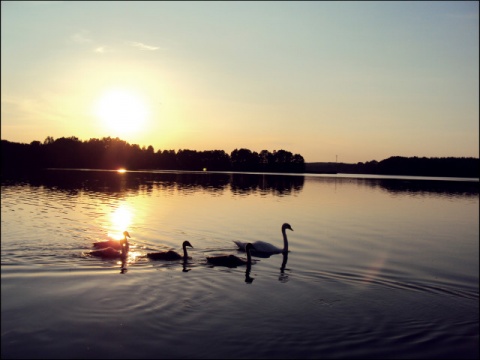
(187, 243)
(126, 234)
(286, 226)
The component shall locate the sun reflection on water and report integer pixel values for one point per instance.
(120, 221)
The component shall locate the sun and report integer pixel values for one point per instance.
(121, 112)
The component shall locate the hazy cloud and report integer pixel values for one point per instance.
(101, 49)
(81, 37)
(142, 46)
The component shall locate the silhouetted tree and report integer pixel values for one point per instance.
(48, 140)
(188, 160)
(112, 153)
(166, 159)
(215, 160)
(244, 160)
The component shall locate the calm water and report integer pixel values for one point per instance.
(378, 267)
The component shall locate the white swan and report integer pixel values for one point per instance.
(232, 260)
(263, 248)
(170, 254)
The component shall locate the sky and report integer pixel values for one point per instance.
(332, 81)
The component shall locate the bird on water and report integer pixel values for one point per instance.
(232, 260)
(114, 244)
(111, 252)
(265, 249)
(170, 254)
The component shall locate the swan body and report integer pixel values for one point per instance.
(232, 260)
(113, 252)
(107, 253)
(115, 244)
(170, 254)
(262, 248)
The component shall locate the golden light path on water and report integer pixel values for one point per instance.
(120, 220)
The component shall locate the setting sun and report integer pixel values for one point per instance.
(121, 112)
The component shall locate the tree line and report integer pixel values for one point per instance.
(399, 165)
(114, 153)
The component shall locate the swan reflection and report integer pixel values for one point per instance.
(283, 277)
(185, 262)
(248, 279)
(123, 266)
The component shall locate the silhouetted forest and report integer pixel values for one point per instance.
(398, 165)
(114, 153)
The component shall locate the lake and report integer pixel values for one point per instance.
(378, 267)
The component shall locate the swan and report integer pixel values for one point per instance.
(232, 260)
(107, 253)
(264, 249)
(113, 253)
(115, 244)
(170, 254)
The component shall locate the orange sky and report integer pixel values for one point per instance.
(361, 81)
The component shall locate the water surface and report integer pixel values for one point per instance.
(379, 267)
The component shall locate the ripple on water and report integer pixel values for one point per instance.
(344, 293)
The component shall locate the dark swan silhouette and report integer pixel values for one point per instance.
(114, 244)
(264, 249)
(232, 260)
(112, 253)
(170, 254)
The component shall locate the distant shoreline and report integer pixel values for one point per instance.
(403, 166)
(331, 175)
(114, 154)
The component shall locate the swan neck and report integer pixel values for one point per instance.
(185, 255)
(124, 249)
(125, 246)
(285, 241)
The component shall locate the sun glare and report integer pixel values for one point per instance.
(121, 220)
(121, 112)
